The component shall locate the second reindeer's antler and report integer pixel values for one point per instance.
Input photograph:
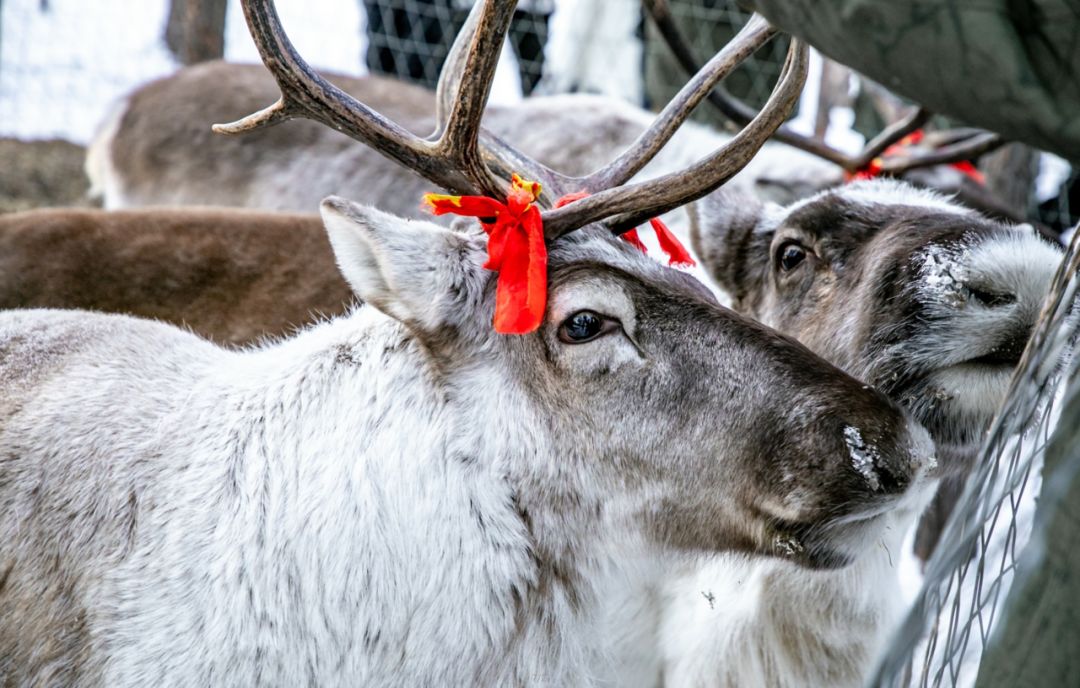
(463, 158)
(974, 144)
(625, 206)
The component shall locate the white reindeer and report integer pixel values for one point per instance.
(402, 496)
(922, 298)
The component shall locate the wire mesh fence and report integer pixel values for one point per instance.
(708, 25)
(410, 39)
(943, 639)
(63, 64)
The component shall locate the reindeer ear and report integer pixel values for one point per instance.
(414, 271)
(729, 232)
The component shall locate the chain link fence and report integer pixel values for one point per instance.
(63, 63)
(708, 25)
(966, 582)
(410, 39)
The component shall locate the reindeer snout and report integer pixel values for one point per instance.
(1014, 319)
(890, 468)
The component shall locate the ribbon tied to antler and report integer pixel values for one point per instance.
(876, 167)
(516, 248)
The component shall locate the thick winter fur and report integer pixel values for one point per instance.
(158, 149)
(401, 496)
(229, 275)
(917, 296)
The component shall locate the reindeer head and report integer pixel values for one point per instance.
(926, 300)
(696, 426)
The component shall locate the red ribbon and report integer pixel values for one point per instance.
(516, 248)
(671, 246)
(875, 167)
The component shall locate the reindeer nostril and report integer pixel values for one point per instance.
(894, 476)
(1008, 350)
(991, 299)
(881, 473)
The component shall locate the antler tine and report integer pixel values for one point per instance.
(464, 87)
(888, 136)
(755, 34)
(461, 95)
(446, 91)
(741, 113)
(628, 206)
(735, 110)
(306, 94)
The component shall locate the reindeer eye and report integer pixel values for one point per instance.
(791, 255)
(585, 326)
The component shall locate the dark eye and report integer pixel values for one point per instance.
(791, 256)
(585, 326)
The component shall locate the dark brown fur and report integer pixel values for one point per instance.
(232, 276)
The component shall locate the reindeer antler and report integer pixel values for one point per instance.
(456, 157)
(628, 206)
(741, 113)
(461, 157)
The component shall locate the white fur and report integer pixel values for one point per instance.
(374, 501)
(106, 182)
(888, 191)
(306, 492)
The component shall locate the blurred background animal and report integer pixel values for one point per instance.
(232, 276)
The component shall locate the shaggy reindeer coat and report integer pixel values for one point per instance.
(400, 496)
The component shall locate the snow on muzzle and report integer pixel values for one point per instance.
(839, 480)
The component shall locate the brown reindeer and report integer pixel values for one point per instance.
(232, 276)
